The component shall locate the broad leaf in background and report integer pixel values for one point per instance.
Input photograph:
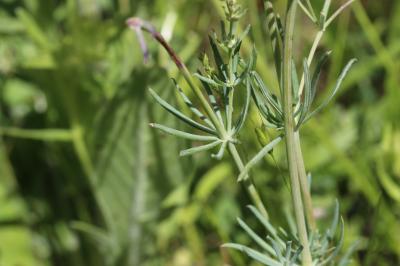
(126, 189)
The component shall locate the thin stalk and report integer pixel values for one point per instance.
(311, 9)
(310, 57)
(320, 33)
(289, 133)
(137, 25)
(299, 156)
(305, 188)
(318, 37)
(248, 183)
(337, 12)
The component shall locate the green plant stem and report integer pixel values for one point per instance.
(248, 183)
(310, 57)
(304, 185)
(139, 24)
(289, 133)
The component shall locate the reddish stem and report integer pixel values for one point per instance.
(137, 25)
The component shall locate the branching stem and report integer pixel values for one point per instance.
(248, 183)
(137, 25)
(304, 184)
(290, 134)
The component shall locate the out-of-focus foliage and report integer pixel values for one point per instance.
(84, 181)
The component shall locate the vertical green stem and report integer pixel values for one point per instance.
(289, 133)
(251, 189)
(305, 188)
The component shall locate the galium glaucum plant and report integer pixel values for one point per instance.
(215, 117)
(214, 86)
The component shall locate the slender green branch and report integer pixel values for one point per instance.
(325, 23)
(137, 25)
(248, 183)
(289, 133)
(311, 55)
(304, 185)
(337, 12)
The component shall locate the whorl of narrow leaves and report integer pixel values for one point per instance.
(218, 123)
(281, 248)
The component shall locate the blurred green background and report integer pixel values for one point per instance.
(85, 181)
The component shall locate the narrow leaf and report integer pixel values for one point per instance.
(199, 148)
(243, 114)
(242, 36)
(192, 107)
(338, 246)
(243, 175)
(217, 57)
(180, 115)
(213, 102)
(275, 30)
(295, 83)
(255, 237)
(335, 89)
(264, 221)
(288, 252)
(207, 80)
(221, 151)
(307, 95)
(296, 255)
(182, 134)
(268, 95)
(317, 72)
(278, 252)
(337, 12)
(345, 259)
(254, 254)
(307, 12)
